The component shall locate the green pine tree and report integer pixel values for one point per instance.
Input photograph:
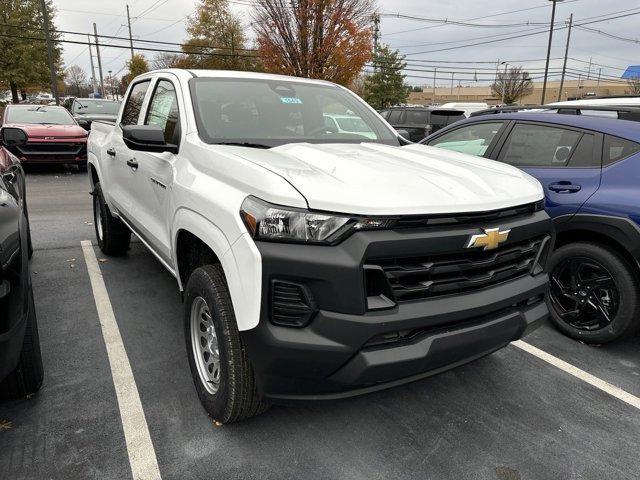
(385, 86)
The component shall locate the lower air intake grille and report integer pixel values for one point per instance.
(291, 304)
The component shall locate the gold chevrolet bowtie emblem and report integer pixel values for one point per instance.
(490, 239)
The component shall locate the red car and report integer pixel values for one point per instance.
(53, 135)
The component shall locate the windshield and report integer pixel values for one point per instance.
(276, 112)
(39, 115)
(93, 107)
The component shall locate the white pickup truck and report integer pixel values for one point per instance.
(314, 263)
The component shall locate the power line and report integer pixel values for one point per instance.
(513, 37)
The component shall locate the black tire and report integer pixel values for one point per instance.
(26, 379)
(113, 236)
(624, 320)
(237, 396)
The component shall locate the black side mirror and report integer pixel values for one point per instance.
(147, 138)
(13, 137)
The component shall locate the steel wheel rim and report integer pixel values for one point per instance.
(584, 293)
(204, 345)
(97, 216)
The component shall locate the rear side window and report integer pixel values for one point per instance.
(615, 149)
(416, 117)
(394, 117)
(585, 155)
(539, 146)
(163, 110)
(133, 106)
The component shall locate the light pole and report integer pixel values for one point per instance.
(113, 95)
(504, 80)
(546, 67)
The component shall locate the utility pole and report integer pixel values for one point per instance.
(452, 74)
(546, 68)
(130, 36)
(504, 81)
(376, 32)
(598, 84)
(93, 71)
(435, 72)
(589, 70)
(566, 56)
(52, 70)
(95, 32)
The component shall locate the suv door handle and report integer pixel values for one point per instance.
(111, 152)
(132, 163)
(564, 187)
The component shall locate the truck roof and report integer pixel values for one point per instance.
(237, 74)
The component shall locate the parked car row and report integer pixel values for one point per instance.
(322, 255)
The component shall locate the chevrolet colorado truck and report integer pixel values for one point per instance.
(53, 136)
(314, 263)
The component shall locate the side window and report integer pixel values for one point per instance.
(133, 106)
(163, 110)
(417, 117)
(394, 117)
(472, 139)
(539, 146)
(615, 149)
(584, 155)
(385, 114)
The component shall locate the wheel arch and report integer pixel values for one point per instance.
(616, 233)
(196, 242)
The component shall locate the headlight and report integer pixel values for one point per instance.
(266, 221)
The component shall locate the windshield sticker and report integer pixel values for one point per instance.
(291, 100)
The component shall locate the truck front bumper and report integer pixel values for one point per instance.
(349, 348)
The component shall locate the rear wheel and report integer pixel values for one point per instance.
(222, 373)
(593, 294)
(26, 379)
(113, 236)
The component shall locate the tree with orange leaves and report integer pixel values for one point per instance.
(325, 39)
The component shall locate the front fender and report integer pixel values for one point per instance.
(240, 262)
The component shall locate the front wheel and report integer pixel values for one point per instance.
(593, 295)
(221, 371)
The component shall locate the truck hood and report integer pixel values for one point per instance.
(37, 131)
(375, 179)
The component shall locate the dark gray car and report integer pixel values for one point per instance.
(420, 122)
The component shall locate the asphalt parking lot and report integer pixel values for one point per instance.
(508, 416)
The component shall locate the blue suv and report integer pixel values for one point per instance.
(589, 166)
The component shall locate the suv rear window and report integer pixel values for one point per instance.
(617, 148)
(394, 117)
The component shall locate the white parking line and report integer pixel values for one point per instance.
(142, 456)
(581, 374)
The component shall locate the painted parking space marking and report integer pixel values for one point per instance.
(580, 374)
(142, 455)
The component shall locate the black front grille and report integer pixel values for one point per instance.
(52, 149)
(413, 278)
(475, 218)
(291, 304)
